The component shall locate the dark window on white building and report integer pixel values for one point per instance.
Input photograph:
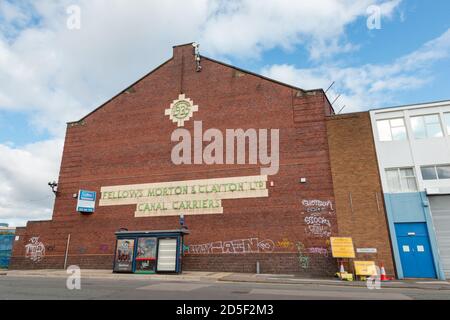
(435, 172)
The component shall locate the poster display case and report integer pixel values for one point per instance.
(149, 251)
(123, 261)
(167, 255)
(146, 255)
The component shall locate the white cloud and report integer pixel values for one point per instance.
(12, 17)
(56, 75)
(247, 28)
(387, 8)
(24, 174)
(369, 85)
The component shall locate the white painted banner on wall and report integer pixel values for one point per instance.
(188, 197)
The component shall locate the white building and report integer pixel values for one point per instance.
(413, 150)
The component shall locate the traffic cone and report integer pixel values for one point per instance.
(341, 268)
(383, 276)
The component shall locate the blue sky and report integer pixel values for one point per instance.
(421, 22)
(50, 74)
(415, 23)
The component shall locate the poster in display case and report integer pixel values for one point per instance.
(123, 261)
(146, 255)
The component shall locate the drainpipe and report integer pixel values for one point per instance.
(67, 252)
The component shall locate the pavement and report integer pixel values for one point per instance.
(96, 285)
(198, 276)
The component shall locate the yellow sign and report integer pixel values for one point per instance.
(342, 247)
(365, 268)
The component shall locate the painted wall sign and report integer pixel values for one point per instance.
(187, 197)
(86, 201)
(342, 247)
(366, 250)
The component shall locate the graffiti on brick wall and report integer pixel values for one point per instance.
(250, 245)
(317, 206)
(104, 248)
(50, 247)
(285, 244)
(319, 250)
(317, 221)
(303, 260)
(318, 226)
(35, 250)
(319, 231)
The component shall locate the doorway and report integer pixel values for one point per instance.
(415, 250)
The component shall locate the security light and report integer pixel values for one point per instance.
(54, 186)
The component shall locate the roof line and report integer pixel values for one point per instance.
(410, 105)
(269, 79)
(346, 114)
(182, 45)
(257, 75)
(118, 94)
(210, 59)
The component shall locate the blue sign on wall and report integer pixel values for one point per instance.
(86, 201)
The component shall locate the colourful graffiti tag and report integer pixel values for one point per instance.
(302, 259)
(250, 245)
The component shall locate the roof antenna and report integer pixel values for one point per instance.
(197, 56)
(336, 99)
(329, 87)
(342, 109)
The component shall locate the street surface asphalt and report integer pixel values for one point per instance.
(27, 288)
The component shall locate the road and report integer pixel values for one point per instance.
(105, 289)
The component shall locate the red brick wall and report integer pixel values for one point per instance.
(127, 141)
(357, 186)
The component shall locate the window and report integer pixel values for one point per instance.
(429, 173)
(443, 172)
(447, 121)
(401, 180)
(435, 172)
(427, 126)
(391, 130)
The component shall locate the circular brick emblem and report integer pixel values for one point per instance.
(181, 110)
